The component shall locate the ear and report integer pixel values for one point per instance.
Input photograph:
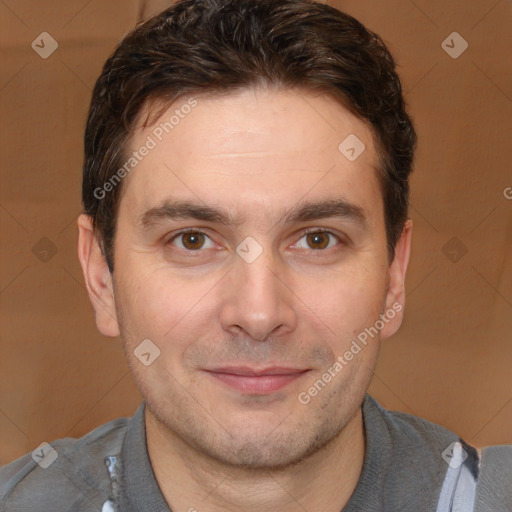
(395, 296)
(97, 278)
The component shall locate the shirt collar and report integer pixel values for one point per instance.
(139, 489)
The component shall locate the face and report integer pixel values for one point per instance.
(251, 252)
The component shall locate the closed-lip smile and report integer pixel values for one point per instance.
(257, 380)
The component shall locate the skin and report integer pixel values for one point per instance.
(257, 154)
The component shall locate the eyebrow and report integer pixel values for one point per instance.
(302, 212)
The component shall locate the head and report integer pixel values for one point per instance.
(275, 133)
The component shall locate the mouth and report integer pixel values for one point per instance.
(257, 381)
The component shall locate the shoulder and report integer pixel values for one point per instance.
(437, 451)
(494, 490)
(66, 474)
(411, 430)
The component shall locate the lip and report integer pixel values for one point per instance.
(257, 381)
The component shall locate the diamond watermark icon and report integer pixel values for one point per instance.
(45, 455)
(454, 455)
(352, 147)
(44, 249)
(454, 249)
(454, 45)
(249, 249)
(146, 352)
(44, 45)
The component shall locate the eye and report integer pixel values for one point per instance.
(191, 240)
(319, 239)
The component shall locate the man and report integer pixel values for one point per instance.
(245, 232)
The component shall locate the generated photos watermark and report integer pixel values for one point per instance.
(363, 337)
(151, 142)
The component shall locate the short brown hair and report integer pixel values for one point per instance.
(220, 46)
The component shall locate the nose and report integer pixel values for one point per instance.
(258, 300)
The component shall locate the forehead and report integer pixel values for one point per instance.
(255, 148)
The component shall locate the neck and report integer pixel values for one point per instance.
(323, 482)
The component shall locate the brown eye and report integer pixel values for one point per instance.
(191, 240)
(318, 240)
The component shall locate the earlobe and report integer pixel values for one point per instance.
(395, 297)
(98, 279)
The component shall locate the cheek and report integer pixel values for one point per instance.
(161, 306)
(350, 301)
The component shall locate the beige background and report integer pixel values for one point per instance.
(451, 360)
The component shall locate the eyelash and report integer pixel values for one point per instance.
(304, 233)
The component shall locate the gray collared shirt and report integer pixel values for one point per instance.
(410, 465)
